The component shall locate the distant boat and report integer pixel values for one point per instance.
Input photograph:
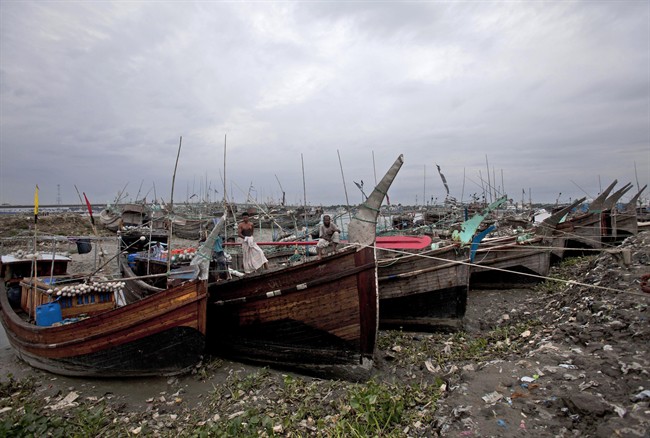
(625, 223)
(598, 227)
(520, 259)
(110, 219)
(119, 217)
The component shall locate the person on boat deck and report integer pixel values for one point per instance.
(252, 254)
(219, 256)
(157, 250)
(245, 227)
(328, 234)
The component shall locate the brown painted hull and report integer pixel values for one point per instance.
(322, 312)
(163, 334)
(493, 259)
(427, 289)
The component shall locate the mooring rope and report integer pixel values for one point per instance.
(542, 277)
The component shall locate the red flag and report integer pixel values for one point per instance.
(90, 209)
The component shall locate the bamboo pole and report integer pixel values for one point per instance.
(345, 189)
(424, 188)
(35, 259)
(489, 187)
(225, 192)
(374, 169)
(304, 191)
(462, 193)
(92, 224)
(171, 209)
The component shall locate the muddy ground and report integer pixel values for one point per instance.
(559, 359)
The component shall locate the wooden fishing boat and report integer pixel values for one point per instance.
(110, 219)
(584, 230)
(608, 225)
(315, 313)
(625, 223)
(556, 239)
(428, 289)
(425, 289)
(517, 260)
(119, 217)
(88, 334)
(134, 215)
(498, 261)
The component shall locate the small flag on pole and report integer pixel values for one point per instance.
(90, 209)
(36, 204)
(442, 177)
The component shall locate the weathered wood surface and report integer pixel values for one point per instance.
(160, 335)
(427, 271)
(583, 230)
(33, 294)
(320, 312)
(424, 290)
(532, 256)
(625, 223)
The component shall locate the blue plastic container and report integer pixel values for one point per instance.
(131, 260)
(47, 314)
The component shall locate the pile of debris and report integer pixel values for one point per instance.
(584, 368)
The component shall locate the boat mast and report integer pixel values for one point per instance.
(304, 191)
(489, 186)
(225, 193)
(345, 189)
(424, 189)
(35, 259)
(171, 208)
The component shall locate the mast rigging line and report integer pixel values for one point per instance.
(559, 280)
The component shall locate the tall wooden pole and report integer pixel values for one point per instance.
(345, 189)
(424, 189)
(462, 192)
(489, 187)
(304, 191)
(373, 167)
(171, 209)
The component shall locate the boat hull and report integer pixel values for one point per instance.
(504, 264)
(163, 334)
(427, 289)
(583, 231)
(322, 312)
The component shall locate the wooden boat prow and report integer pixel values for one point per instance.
(317, 313)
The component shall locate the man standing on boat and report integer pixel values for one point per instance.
(253, 255)
(328, 235)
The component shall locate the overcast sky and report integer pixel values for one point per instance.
(551, 97)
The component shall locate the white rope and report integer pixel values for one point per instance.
(559, 280)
